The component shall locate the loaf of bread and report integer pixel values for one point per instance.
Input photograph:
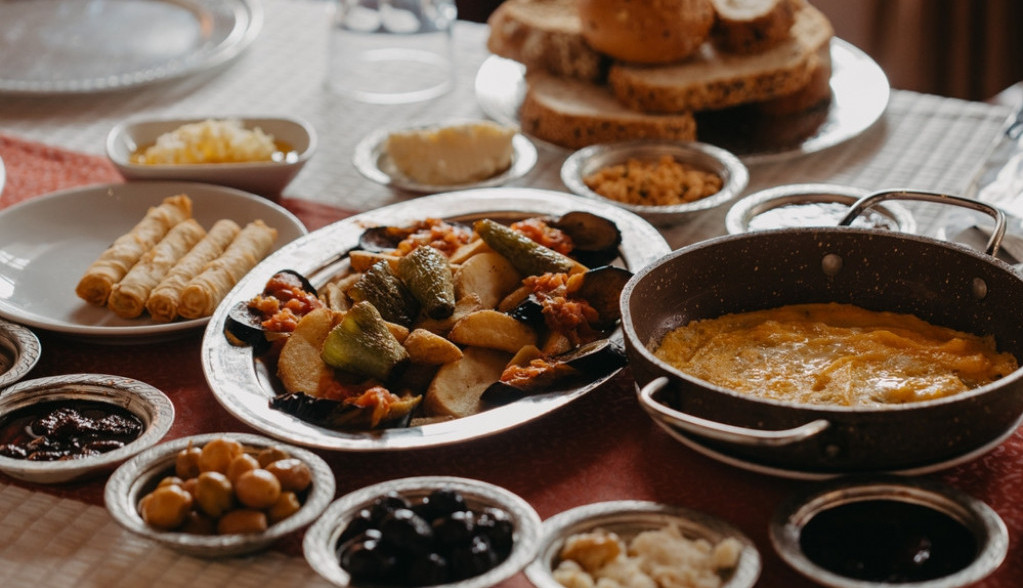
(712, 79)
(752, 26)
(545, 35)
(646, 31)
(573, 114)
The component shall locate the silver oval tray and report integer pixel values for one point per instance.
(241, 383)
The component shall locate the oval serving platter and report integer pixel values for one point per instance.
(242, 384)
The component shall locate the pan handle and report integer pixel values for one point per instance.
(994, 242)
(721, 431)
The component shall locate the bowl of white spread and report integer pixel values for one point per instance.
(260, 155)
(445, 157)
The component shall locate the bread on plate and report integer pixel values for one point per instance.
(712, 79)
(573, 113)
(752, 26)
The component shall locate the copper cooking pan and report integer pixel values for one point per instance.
(944, 283)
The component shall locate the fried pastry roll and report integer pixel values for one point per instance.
(164, 299)
(205, 291)
(128, 297)
(112, 265)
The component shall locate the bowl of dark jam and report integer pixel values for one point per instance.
(424, 531)
(63, 428)
(889, 532)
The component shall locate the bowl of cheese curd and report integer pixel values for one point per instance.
(260, 155)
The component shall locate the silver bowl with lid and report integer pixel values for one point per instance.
(807, 205)
(889, 531)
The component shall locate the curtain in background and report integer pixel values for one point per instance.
(969, 49)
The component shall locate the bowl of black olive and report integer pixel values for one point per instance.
(64, 428)
(424, 531)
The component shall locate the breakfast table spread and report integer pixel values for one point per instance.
(600, 447)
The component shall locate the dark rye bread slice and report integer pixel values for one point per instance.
(752, 26)
(545, 35)
(713, 79)
(574, 113)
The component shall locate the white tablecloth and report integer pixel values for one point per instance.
(923, 142)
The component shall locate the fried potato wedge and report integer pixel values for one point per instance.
(429, 348)
(488, 275)
(361, 260)
(463, 306)
(456, 389)
(493, 330)
(300, 367)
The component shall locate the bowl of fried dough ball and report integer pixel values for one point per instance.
(219, 494)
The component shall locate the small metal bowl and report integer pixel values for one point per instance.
(137, 477)
(267, 178)
(19, 352)
(146, 402)
(859, 520)
(320, 544)
(627, 518)
(589, 160)
(805, 205)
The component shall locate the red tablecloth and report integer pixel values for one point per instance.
(601, 447)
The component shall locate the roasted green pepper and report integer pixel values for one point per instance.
(426, 273)
(362, 344)
(528, 256)
(379, 286)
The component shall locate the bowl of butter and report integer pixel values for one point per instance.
(444, 157)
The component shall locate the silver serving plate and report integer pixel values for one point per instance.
(320, 543)
(75, 47)
(137, 477)
(242, 384)
(627, 518)
(859, 88)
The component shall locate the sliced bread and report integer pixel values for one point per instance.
(712, 79)
(752, 26)
(573, 114)
(545, 35)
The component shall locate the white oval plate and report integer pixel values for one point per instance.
(373, 162)
(859, 89)
(241, 383)
(70, 46)
(49, 241)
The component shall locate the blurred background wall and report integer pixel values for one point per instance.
(971, 49)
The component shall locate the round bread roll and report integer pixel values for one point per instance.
(646, 31)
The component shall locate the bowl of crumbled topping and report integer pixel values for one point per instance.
(639, 543)
(662, 181)
(260, 155)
